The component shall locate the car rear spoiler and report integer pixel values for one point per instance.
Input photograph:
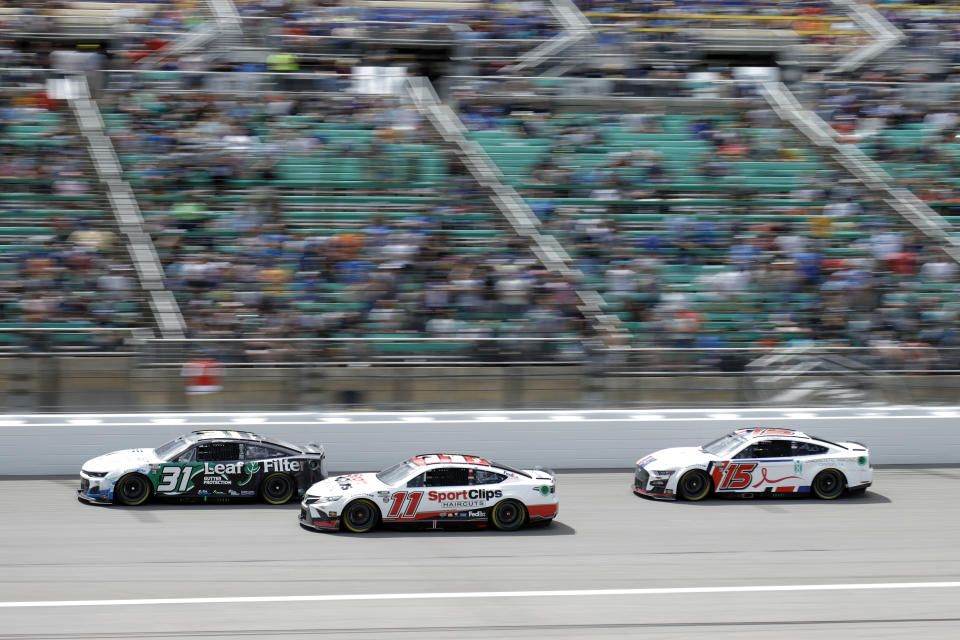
(845, 444)
(315, 448)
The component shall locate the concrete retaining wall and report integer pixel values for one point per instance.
(58, 444)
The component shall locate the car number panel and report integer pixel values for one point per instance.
(225, 480)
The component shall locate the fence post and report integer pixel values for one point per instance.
(20, 395)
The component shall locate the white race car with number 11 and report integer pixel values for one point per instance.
(436, 490)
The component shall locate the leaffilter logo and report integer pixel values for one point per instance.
(251, 468)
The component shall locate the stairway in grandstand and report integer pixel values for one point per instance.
(350, 164)
(683, 224)
(66, 266)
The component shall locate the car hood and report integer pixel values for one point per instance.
(120, 460)
(352, 484)
(675, 458)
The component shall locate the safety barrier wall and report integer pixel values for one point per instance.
(58, 444)
(117, 384)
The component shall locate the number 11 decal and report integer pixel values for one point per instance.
(412, 504)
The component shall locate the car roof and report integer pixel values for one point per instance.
(427, 459)
(245, 436)
(226, 434)
(767, 433)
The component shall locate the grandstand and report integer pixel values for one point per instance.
(599, 177)
(65, 267)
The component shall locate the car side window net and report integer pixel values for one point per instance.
(449, 477)
(218, 451)
(766, 449)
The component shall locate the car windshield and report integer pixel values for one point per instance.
(728, 444)
(397, 472)
(174, 447)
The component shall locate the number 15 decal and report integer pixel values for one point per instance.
(733, 475)
(413, 501)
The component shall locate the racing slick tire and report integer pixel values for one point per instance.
(829, 484)
(508, 515)
(132, 490)
(360, 516)
(277, 488)
(694, 485)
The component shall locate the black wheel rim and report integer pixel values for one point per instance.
(360, 515)
(278, 488)
(828, 484)
(132, 489)
(508, 514)
(693, 484)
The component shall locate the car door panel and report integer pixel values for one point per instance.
(177, 477)
(764, 466)
(430, 496)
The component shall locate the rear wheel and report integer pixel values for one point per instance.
(276, 488)
(132, 489)
(694, 485)
(508, 515)
(360, 516)
(828, 484)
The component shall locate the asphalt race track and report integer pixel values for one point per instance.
(882, 565)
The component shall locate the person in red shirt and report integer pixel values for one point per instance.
(203, 375)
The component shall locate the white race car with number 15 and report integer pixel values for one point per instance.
(750, 461)
(436, 490)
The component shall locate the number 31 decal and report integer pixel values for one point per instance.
(175, 478)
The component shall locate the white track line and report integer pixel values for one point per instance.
(220, 425)
(482, 594)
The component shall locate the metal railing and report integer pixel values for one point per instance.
(600, 378)
(612, 90)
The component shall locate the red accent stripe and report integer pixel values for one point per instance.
(785, 489)
(420, 516)
(640, 492)
(543, 511)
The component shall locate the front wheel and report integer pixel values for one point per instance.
(276, 488)
(694, 485)
(828, 484)
(360, 516)
(508, 515)
(132, 489)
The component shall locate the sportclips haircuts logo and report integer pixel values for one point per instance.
(472, 494)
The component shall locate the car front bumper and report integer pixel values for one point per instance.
(317, 519)
(95, 490)
(643, 485)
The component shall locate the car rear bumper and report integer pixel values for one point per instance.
(539, 513)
